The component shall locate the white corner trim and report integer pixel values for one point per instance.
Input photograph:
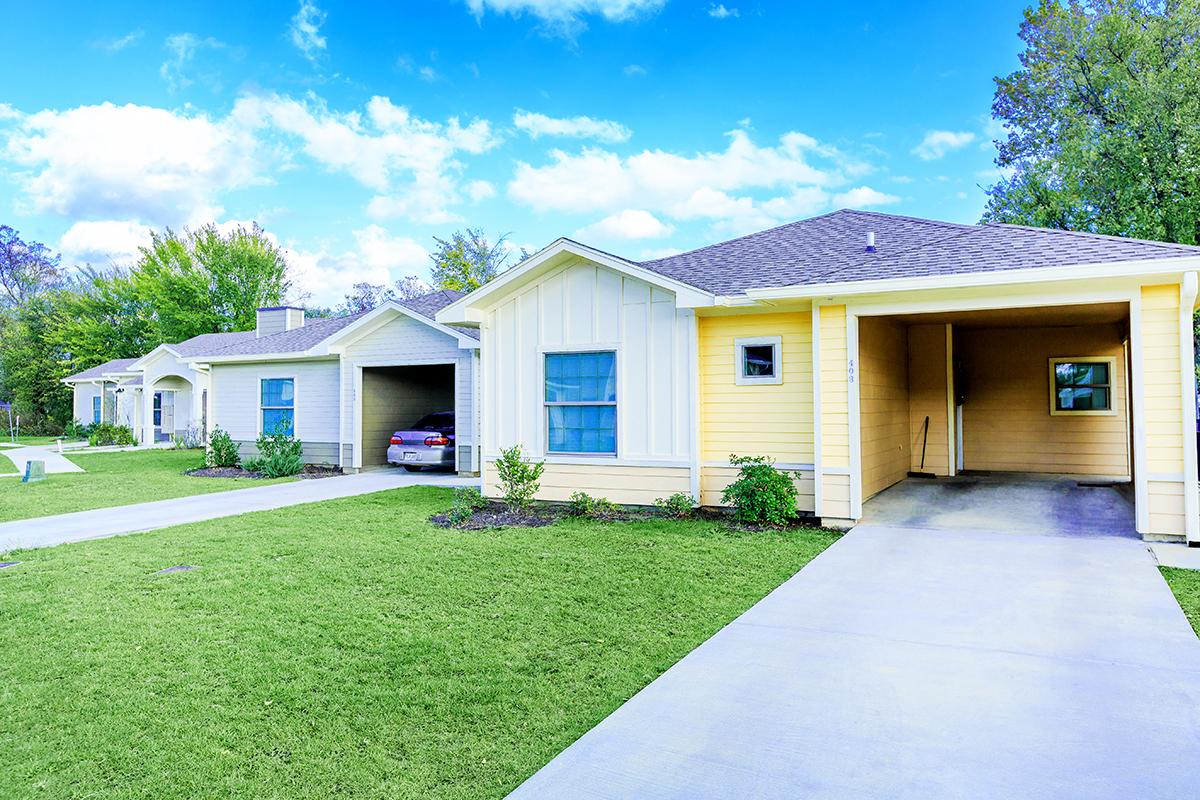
(1187, 374)
(1141, 490)
(853, 376)
(818, 467)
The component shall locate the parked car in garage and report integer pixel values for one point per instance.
(428, 443)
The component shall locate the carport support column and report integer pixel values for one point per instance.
(1187, 369)
(835, 381)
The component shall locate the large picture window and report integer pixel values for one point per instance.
(581, 402)
(1081, 385)
(278, 405)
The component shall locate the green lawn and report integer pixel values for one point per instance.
(1185, 583)
(31, 439)
(6, 466)
(350, 649)
(112, 479)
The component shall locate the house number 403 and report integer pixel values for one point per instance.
(850, 371)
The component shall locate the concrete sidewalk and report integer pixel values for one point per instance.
(104, 522)
(55, 463)
(920, 665)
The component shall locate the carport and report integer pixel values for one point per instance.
(395, 397)
(1017, 411)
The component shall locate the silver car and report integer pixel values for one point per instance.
(428, 443)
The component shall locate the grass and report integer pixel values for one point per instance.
(112, 479)
(1185, 583)
(6, 467)
(32, 439)
(350, 649)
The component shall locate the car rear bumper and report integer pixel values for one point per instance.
(421, 456)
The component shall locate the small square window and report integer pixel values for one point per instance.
(759, 360)
(1081, 386)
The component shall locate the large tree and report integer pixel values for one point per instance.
(31, 367)
(467, 260)
(26, 268)
(1103, 120)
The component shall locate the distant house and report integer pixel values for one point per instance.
(341, 385)
(851, 348)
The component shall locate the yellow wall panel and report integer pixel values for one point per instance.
(627, 485)
(883, 403)
(835, 400)
(1162, 380)
(713, 481)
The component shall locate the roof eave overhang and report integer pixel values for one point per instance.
(205, 362)
(370, 322)
(140, 364)
(1148, 268)
(471, 309)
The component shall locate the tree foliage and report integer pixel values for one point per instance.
(1103, 120)
(26, 268)
(467, 260)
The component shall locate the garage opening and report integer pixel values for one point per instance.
(395, 398)
(1003, 394)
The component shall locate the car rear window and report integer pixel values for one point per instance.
(435, 422)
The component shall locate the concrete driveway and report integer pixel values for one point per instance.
(921, 663)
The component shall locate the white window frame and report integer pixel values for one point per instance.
(1111, 411)
(98, 408)
(739, 360)
(295, 401)
(546, 404)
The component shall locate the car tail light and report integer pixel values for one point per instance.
(436, 441)
(397, 440)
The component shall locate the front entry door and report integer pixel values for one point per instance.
(164, 416)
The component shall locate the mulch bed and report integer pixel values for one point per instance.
(310, 472)
(498, 515)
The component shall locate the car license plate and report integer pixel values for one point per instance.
(409, 455)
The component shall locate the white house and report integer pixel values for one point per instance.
(344, 384)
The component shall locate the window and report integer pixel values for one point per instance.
(581, 402)
(759, 360)
(96, 408)
(278, 405)
(1081, 385)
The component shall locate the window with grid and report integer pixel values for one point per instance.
(278, 405)
(96, 409)
(1081, 385)
(581, 402)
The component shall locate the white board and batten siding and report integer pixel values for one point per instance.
(404, 341)
(582, 307)
(234, 400)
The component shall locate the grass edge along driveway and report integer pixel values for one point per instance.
(113, 479)
(349, 648)
(1185, 584)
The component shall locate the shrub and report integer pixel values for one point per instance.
(279, 454)
(105, 434)
(518, 478)
(761, 494)
(467, 500)
(583, 504)
(222, 450)
(677, 505)
(75, 430)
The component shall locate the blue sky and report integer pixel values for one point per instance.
(355, 132)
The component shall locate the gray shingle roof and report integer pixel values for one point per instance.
(832, 249)
(208, 343)
(297, 340)
(116, 365)
(427, 305)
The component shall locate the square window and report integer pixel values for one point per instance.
(758, 360)
(1081, 386)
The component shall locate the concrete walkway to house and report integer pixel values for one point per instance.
(104, 522)
(49, 454)
(924, 664)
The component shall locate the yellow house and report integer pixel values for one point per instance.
(853, 348)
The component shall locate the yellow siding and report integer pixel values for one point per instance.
(1007, 424)
(928, 397)
(1162, 381)
(1165, 506)
(627, 485)
(767, 420)
(713, 481)
(835, 497)
(835, 402)
(883, 403)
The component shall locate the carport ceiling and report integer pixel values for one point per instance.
(1038, 316)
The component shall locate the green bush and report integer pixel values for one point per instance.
(222, 450)
(761, 494)
(104, 434)
(75, 430)
(467, 500)
(678, 505)
(583, 504)
(518, 478)
(279, 454)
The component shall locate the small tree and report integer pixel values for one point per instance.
(467, 260)
(761, 494)
(222, 450)
(518, 478)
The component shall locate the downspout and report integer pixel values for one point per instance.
(1187, 368)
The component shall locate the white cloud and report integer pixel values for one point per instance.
(581, 127)
(411, 163)
(378, 258)
(305, 29)
(863, 196)
(632, 223)
(937, 143)
(719, 11)
(129, 162)
(566, 17)
(659, 252)
(101, 243)
(427, 74)
(480, 190)
(183, 48)
(119, 43)
(634, 70)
